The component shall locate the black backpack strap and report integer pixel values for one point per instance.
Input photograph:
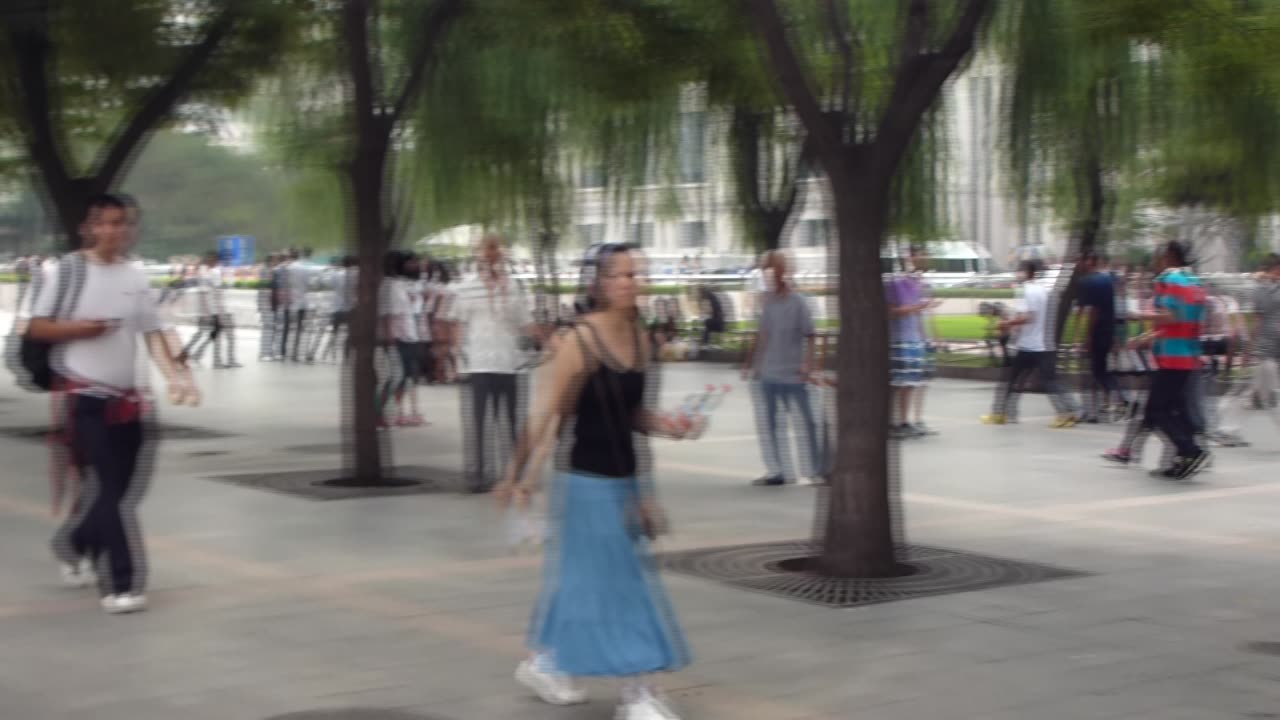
(71, 279)
(64, 285)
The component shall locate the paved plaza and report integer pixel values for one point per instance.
(264, 604)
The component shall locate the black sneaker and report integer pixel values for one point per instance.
(1192, 465)
(903, 432)
(770, 481)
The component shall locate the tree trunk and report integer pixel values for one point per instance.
(765, 217)
(859, 534)
(372, 242)
(1087, 240)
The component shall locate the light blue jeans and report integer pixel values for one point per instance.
(796, 396)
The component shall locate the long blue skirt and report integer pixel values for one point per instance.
(603, 610)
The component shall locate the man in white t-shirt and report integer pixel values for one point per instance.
(1033, 325)
(494, 317)
(216, 326)
(105, 307)
(297, 276)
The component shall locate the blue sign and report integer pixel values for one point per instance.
(235, 250)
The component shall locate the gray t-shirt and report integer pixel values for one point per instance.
(785, 324)
(1266, 303)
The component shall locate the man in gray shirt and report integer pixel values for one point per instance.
(1266, 310)
(782, 360)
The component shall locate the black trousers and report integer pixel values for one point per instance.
(1169, 410)
(104, 526)
(486, 389)
(1024, 364)
(267, 342)
(295, 320)
(216, 330)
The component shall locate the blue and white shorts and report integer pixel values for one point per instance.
(910, 364)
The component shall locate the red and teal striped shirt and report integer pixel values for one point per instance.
(1177, 345)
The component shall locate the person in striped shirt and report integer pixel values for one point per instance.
(1177, 316)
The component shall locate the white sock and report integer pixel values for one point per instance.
(542, 663)
(635, 690)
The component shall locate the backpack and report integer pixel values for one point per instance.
(30, 360)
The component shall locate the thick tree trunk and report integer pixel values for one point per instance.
(372, 242)
(859, 534)
(68, 200)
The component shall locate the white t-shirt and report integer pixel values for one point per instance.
(108, 364)
(421, 290)
(211, 293)
(298, 276)
(491, 324)
(1034, 335)
(344, 289)
(394, 303)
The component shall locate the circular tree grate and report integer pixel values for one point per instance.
(334, 484)
(930, 571)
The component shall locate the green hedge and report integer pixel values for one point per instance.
(975, 293)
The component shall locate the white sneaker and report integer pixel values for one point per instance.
(77, 575)
(647, 707)
(552, 687)
(124, 603)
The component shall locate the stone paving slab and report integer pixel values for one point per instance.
(264, 605)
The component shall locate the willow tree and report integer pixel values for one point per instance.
(348, 99)
(1217, 159)
(1122, 107)
(887, 64)
(1074, 123)
(435, 114)
(78, 106)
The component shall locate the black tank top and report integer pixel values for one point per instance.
(603, 435)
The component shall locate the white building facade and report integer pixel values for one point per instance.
(693, 219)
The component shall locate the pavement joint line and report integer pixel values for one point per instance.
(1050, 514)
(482, 635)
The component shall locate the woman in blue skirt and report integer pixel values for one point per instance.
(603, 611)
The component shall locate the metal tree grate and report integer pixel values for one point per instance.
(936, 571)
(329, 484)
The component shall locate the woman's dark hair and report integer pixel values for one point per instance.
(1178, 252)
(410, 266)
(1032, 268)
(392, 263)
(594, 262)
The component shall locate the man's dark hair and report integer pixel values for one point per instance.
(350, 261)
(102, 201)
(293, 254)
(1270, 262)
(1178, 252)
(1095, 257)
(1032, 268)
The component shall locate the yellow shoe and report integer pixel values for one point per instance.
(1065, 421)
(994, 419)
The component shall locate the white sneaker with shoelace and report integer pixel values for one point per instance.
(551, 686)
(645, 707)
(78, 574)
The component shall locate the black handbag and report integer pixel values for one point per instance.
(34, 358)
